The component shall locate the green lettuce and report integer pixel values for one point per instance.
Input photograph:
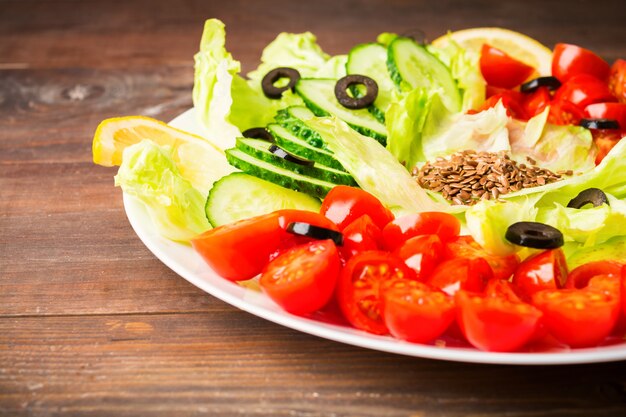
(374, 168)
(149, 173)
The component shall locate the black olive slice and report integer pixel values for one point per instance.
(281, 153)
(599, 123)
(593, 196)
(315, 232)
(270, 90)
(342, 86)
(258, 133)
(534, 235)
(551, 82)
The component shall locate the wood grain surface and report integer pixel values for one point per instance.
(92, 324)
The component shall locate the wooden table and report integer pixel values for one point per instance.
(92, 324)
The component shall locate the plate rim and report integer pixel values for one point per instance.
(235, 295)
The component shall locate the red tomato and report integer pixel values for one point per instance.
(537, 101)
(501, 70)
(617, 80)
(361, 235)
(579, 318)
(289, 240)
(490, 90)
(414, 311)
(570, 60)
(583, 90)
(444, 225)
(511, 102)
(562, 112)
(345, 204)
(623, 279)
(461, 274)
(421, 254)
(501, 288)
(240, 250)
(358, 290)
(615, 111)
(466, 247)
(302, 279)
(605, 140)
(580, 276)
(544, 270)
(496, 324)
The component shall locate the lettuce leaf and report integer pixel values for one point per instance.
(149, 173)
(374, 168)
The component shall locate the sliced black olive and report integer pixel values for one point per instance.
(258, 133)
(342, 86)
(593, 196)
(270, 90)
(534, 235)
(551, 82)
(315, 232)
(599, 123)
(281, 153)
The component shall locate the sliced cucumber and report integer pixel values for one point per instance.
(299, 147)
(370, 59)
(280, 176)
(319, 96)
(294, 118)
(260, 150)
(411, 66)
(240, 196)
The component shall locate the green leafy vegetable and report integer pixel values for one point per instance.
(149, 173)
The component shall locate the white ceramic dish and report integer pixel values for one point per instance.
(186, 263)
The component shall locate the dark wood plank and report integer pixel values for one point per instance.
(228, 363)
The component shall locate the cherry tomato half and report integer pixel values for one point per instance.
(617, 80)
(416, 312)
(444, 225)
(579, 318)
(361, 235)
(570, 60)
(422, 254)
(615, 111)
(583, 90)
(456, 274)
(513, 103)
(605, 140)
(500, 69)
(466, 247)
(358, 290)
(501, 288)
(541, 271)
(344, 204)
(302, 280)
(580, 276)
(495, 324)
(537, 101)
(562, 112)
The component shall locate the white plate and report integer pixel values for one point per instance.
(186, 263)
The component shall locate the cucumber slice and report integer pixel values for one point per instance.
(370, 59)
(280, 176)
(411, 66)
(319, 96)
(240, 196)
(299, 147)
(260, 150)
(294, 118)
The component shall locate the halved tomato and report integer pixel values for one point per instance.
(344, 204)
(544, 270)
(562, 112)
(358, 290)
(617, 80)
(501, 70)
(361, 235)
(471, 274)
(583, 90)
(570, 60)
(444, 225)
(580, 276)
(614, 111)
(302, 279)
(537, 101)
(421, 254)
(414, 311)
(605, 140)
(512, 101)
(494, 323)
(466, 247)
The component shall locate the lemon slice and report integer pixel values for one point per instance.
(517, 45)
(198, 160)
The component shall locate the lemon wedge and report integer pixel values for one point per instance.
(199, 161)
(515, 44)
